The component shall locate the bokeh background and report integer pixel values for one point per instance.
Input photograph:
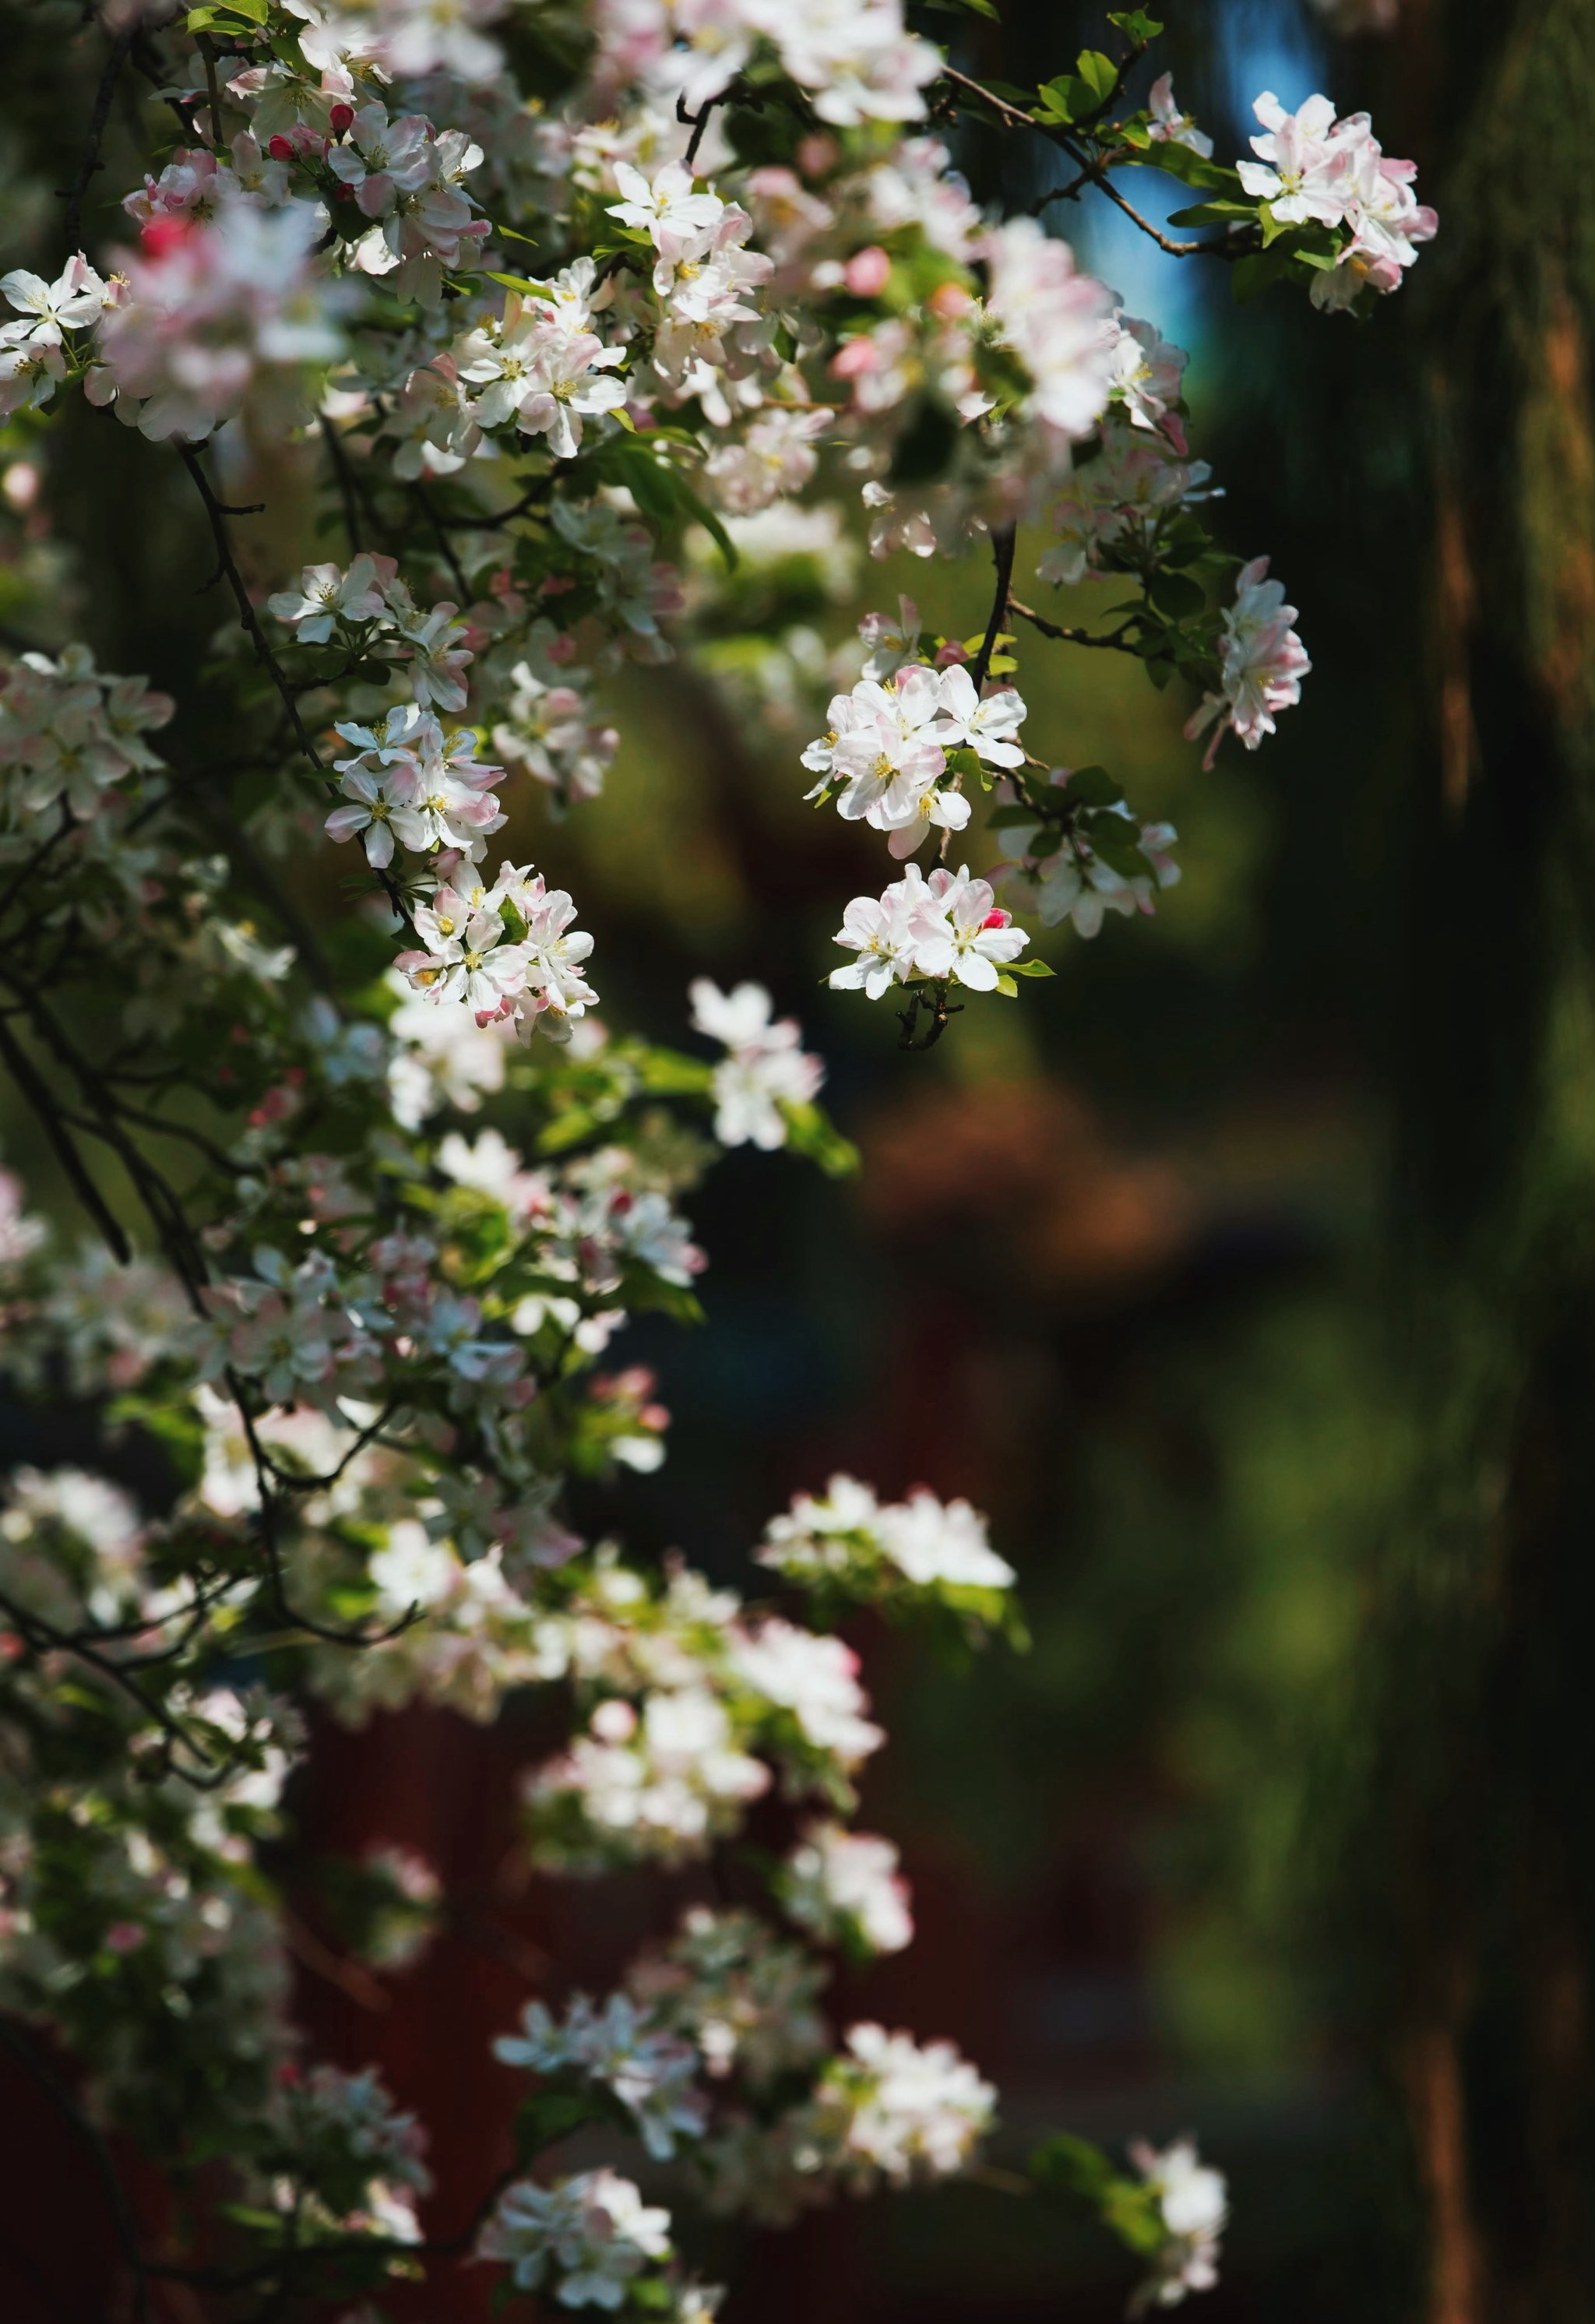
(1242, 1275)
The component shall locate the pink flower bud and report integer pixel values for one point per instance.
(279, 148)
(853, 360)
(998, 919)
(163, 236)
(866, 274)
(342, 117)
(948, 301)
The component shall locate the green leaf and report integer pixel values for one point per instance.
(1075, 2163)
(810, 1132)
(1176, 595)
(1008, 987)
(1212, 213)
(1030, 968)
(1178, 160)
(1092, 786)
(547, 2117)
(1135, 24)
(1062, 99)
(1257, 271)
(1098, 72)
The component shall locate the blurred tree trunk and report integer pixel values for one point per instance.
(1475, 1848)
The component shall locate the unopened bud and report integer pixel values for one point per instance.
(279, 148)
(341, 117)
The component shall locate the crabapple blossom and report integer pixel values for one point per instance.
(890, 2108)
(650, 2072)
(1170, 126)
(846, 1886)
(593, 2235)
(765, 1065)
(971, 938)
(214, 314)
(1193, 2201)
(1263, 662)
(327, 598)
(32, 356)
(1056, 319)
(985, 725)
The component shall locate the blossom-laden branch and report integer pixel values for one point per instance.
(374, 1189)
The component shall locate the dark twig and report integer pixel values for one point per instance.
(344, 478)
(226, 563)
(34, 1088)
(96, 127)
(1004, 539)
(1116, 639)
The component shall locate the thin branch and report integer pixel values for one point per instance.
(1116, 639)
(97, 119)
(37, 1093)
(338, 460)
(1004, 539)
(228, 564)
(440, 534)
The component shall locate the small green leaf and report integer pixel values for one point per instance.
(1135, 24)
(1030, 968)
(1062, 99)
(1098, 72)
(1176, 595)
(1008, 987)
(1092, 786)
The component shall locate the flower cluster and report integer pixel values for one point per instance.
(35, 353)
(1313, 168)
(507, 951)
(765, 1070)
(948, 928)
(587, 2239)
(71, 732)
(222, 312)
(1263, 662)
(1192, 2206)
(917, 1552)
(885, 757)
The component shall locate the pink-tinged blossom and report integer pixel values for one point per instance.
(1057, 320)
(1303, 167)
(1193, 2201)
(814, 1678)
(1147, 371)
(765, 1067)
(891, 2107)
(216, 314)
(1170, 126)
(381, 809)
(885, 933)
(987, 724)
(465, 956)
(972, 939)
(327, 598)
(1312, 167)
(775, 457)
(584, 2239)
(32, 358)
(539, 373)
(846, 1887)
(1132, 480)
(1262, 663)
